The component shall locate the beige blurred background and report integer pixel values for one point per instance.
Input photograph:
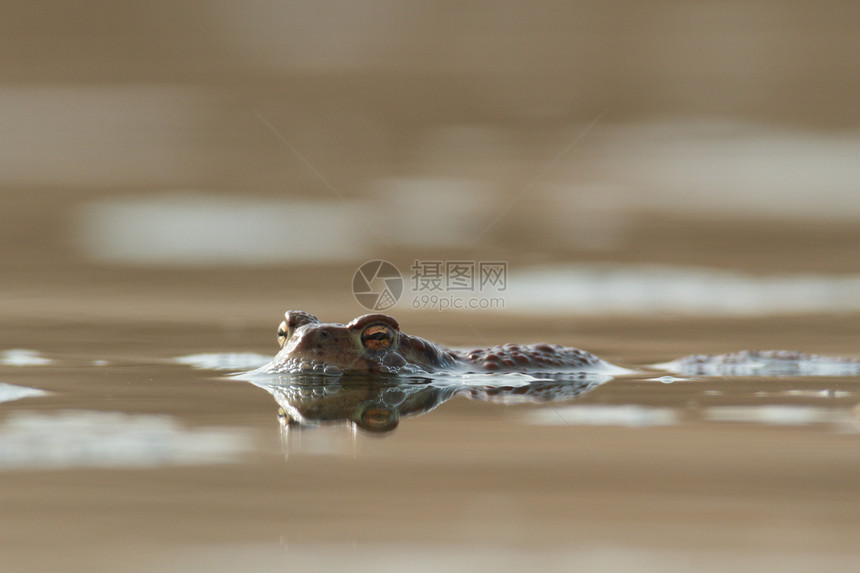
(139, 138)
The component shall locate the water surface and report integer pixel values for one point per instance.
(151, 448)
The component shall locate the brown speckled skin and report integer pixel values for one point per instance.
(310, 341)
(524, 357)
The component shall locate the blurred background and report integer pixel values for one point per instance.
(159, 158)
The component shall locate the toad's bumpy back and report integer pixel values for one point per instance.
(532, 357)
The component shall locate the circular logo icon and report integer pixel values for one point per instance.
(377, 285)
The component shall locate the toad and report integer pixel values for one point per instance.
(374, 344)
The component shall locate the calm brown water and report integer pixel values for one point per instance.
(659, 182)
(131, 461)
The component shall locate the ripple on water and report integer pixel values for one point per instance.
(23, 357)
(647, 290)
(630, 416)
(224, 360)
(783, 415)
(10, 392)
(75, 438)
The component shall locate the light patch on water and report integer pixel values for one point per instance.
(383, 558)
(23, 357)
(194, 229)
(779, 415)
(731, 169)
(599, 289)
(10, 392)
(187, 228)
(75, 438)
(224, 360)
(825, 394)
(630, 416)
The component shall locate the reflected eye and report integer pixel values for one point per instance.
(377, 337)
(283, 333)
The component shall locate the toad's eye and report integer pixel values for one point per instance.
(283, 333)
(377, 337)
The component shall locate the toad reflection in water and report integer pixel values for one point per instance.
(377, 404)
